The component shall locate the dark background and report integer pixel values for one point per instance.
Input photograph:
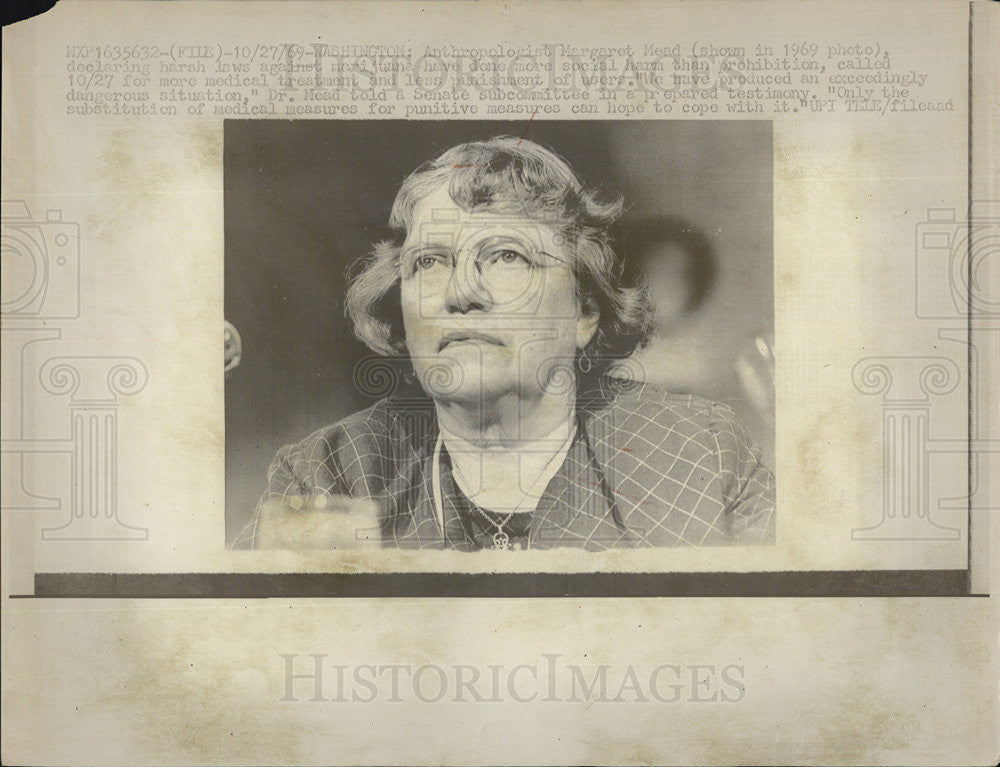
(306, 198)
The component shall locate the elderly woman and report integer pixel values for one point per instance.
(506, 301)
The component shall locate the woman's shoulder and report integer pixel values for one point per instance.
(348, 456)
(684, 463)
(635, 403)
(662, 424)
(385, 419)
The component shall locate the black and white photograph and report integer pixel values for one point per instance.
(471, 335)
(514, 383)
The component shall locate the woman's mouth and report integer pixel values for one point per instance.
(466, 336)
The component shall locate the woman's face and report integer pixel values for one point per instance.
(489, 303)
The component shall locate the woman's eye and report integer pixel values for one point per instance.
(510, 258)
(425, 262)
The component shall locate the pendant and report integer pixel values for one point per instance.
(501, 541)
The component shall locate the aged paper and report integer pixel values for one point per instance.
(809, 189)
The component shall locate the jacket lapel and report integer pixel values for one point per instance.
(577, 508)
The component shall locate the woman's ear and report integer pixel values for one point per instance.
(587, 322)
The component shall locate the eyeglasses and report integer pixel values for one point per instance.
(507, 266)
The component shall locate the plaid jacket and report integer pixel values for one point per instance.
(645, 469)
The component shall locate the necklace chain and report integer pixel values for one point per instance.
(501, 540)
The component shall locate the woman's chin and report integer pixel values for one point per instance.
(459, 377)
(477, 392)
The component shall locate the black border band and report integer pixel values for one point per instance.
(836, 583)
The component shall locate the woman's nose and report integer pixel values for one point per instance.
(465, 291)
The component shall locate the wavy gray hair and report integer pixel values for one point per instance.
(513, 177)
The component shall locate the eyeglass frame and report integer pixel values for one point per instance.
(409, 271)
